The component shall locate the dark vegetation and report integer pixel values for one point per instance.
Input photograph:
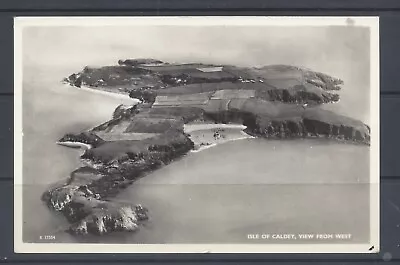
(124, 111)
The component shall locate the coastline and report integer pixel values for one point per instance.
(202, 148)
(75, 145)
(185, 129)
(188, 128)
(100, 91)
(205, 136)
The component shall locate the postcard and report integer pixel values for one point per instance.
(196, 134)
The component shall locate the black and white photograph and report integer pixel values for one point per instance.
(196, 134)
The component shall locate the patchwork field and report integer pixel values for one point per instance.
(110, 137)
(233, 94)
(153, 125)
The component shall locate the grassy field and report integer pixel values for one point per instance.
(171, 142)
(183, 100)
(153, 125)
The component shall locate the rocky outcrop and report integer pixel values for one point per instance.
(124, 111)
(277, 101)
(305, 124)
(144, 94)
(81, 200)
(84, 197)
(88, 138)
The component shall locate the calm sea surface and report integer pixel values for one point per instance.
(221, 194)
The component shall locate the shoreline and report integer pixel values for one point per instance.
(76, 145)
(99, 91)
(188, 128)
(205, 136)
(205, 147)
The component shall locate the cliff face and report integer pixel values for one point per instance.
(276, 120)
(82, 198)
(275, 101)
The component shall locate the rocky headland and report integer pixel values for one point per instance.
(176, 101)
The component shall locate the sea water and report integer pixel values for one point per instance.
(221, 194)
(227, 193)
(50, 110)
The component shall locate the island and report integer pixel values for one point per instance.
(182, 108)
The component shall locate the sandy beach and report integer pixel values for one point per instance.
(75, 144)
(201, 126)
(206, 136)
(115, 94)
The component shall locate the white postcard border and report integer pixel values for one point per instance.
(371, 22)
